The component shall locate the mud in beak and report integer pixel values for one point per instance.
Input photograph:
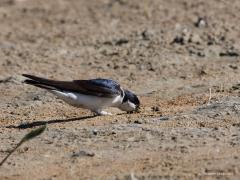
(137, 110)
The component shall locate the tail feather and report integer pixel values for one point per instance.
(49, 84)
(41, 82)
(39, 79)
(38, 84)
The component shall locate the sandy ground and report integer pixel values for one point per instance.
(171, 53)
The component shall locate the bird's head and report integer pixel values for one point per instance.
(130, 102)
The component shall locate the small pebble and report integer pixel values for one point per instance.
(201, 22)
(83, 153)
(155, 108)
(95, 131)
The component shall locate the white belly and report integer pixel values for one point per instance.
(87, 101)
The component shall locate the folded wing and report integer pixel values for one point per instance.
(95, 87)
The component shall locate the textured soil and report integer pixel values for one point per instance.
(181, 57)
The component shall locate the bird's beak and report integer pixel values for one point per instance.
(137, 110)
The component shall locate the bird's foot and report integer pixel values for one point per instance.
(102, 113)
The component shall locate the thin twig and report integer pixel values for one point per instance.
(210, 96)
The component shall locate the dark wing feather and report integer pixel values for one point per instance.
(102, 87)
(95, 87)
(35, 83)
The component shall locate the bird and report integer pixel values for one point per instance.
(92, 94)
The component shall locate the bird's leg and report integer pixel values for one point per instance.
(101, 112)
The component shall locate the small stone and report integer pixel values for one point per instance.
(201, 22)
(178, 40)
(138, 122)
(147, 35)
(233, 66)
(229, 53)
(121, 41)
(36, 98)
(164, 118)
(82, 154)
(174, 138)
(95, 131)
(155, 108)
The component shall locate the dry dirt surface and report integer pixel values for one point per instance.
(181, 57)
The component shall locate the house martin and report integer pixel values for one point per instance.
(93, 94)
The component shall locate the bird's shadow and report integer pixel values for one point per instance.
(40, 123)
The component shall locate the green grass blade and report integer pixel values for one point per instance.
(34, 133)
